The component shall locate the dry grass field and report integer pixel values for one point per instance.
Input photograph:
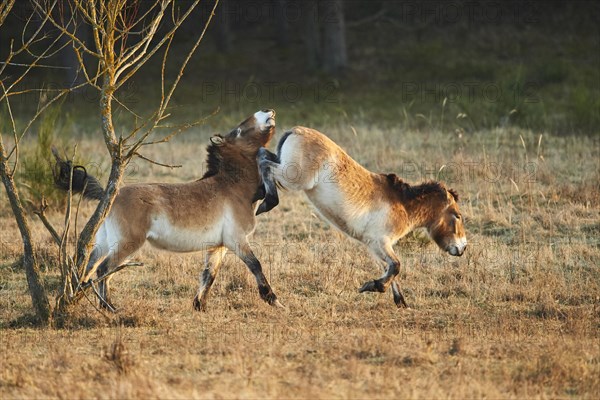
(518, 316)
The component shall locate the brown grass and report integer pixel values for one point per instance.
(517, 316)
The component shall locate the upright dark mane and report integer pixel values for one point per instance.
(411, 192)
(214, 159)
(230, 159)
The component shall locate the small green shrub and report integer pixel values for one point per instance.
(34, 175)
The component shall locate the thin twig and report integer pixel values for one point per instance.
(156, 162)
(82, 288)
(35, 66)
(42, 215)
(180, 128)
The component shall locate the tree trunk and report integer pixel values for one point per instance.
(335, 56)
(37, 291)
(312, 39)
(86, 238)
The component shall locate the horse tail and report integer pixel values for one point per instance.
(282, 141)
(81, 182)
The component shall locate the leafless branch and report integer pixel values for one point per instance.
(145, 55)
(5, 8)
(156, 162)
(41, 213)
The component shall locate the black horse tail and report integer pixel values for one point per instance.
(82, 182)
(281, 142)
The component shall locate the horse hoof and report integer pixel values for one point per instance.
(261, 208)
(372, 286)
(401, 304)
(399, 300)
(108, 306)
(199, 306)
(267, 205)
(277, 303)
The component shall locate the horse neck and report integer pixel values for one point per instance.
(419, 203)
(240, 169)
(419, 211)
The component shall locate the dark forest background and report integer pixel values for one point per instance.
(458, 66)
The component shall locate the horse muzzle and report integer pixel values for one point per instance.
(265, 119)
(457, 249)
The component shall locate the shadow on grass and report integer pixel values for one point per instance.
(79, 320)
(23, 321)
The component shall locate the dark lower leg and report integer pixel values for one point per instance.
(103, 290)
(264, 289)
(213, 262)
(207, 280)
(267, 161)
(382, 284)
(398, 297)
(89, 269)
(260, 194)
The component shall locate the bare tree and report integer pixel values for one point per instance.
(9, 153)
(126, 35)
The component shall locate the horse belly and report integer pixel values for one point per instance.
(167, 236)
(326, 198)
(358, 219)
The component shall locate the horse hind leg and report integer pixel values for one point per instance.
(266, 162)
(112, 261)
(214, 259)
(92, 265)
(103, 286)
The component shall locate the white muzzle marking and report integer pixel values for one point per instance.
(265, 119)
(458, 248)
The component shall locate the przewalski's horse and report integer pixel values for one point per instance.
(376, 209)
(214, 213)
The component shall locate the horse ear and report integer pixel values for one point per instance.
(217, 140)
(454, 194)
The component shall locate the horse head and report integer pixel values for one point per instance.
(447, 230)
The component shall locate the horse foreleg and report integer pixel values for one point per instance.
(395, 288)
(214, 259)
(398, 297)
(266, 162)
(384, 252)
(244, 252)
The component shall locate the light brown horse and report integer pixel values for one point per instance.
(375, 209)
(214, 213)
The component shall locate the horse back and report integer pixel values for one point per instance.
(344, 193)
